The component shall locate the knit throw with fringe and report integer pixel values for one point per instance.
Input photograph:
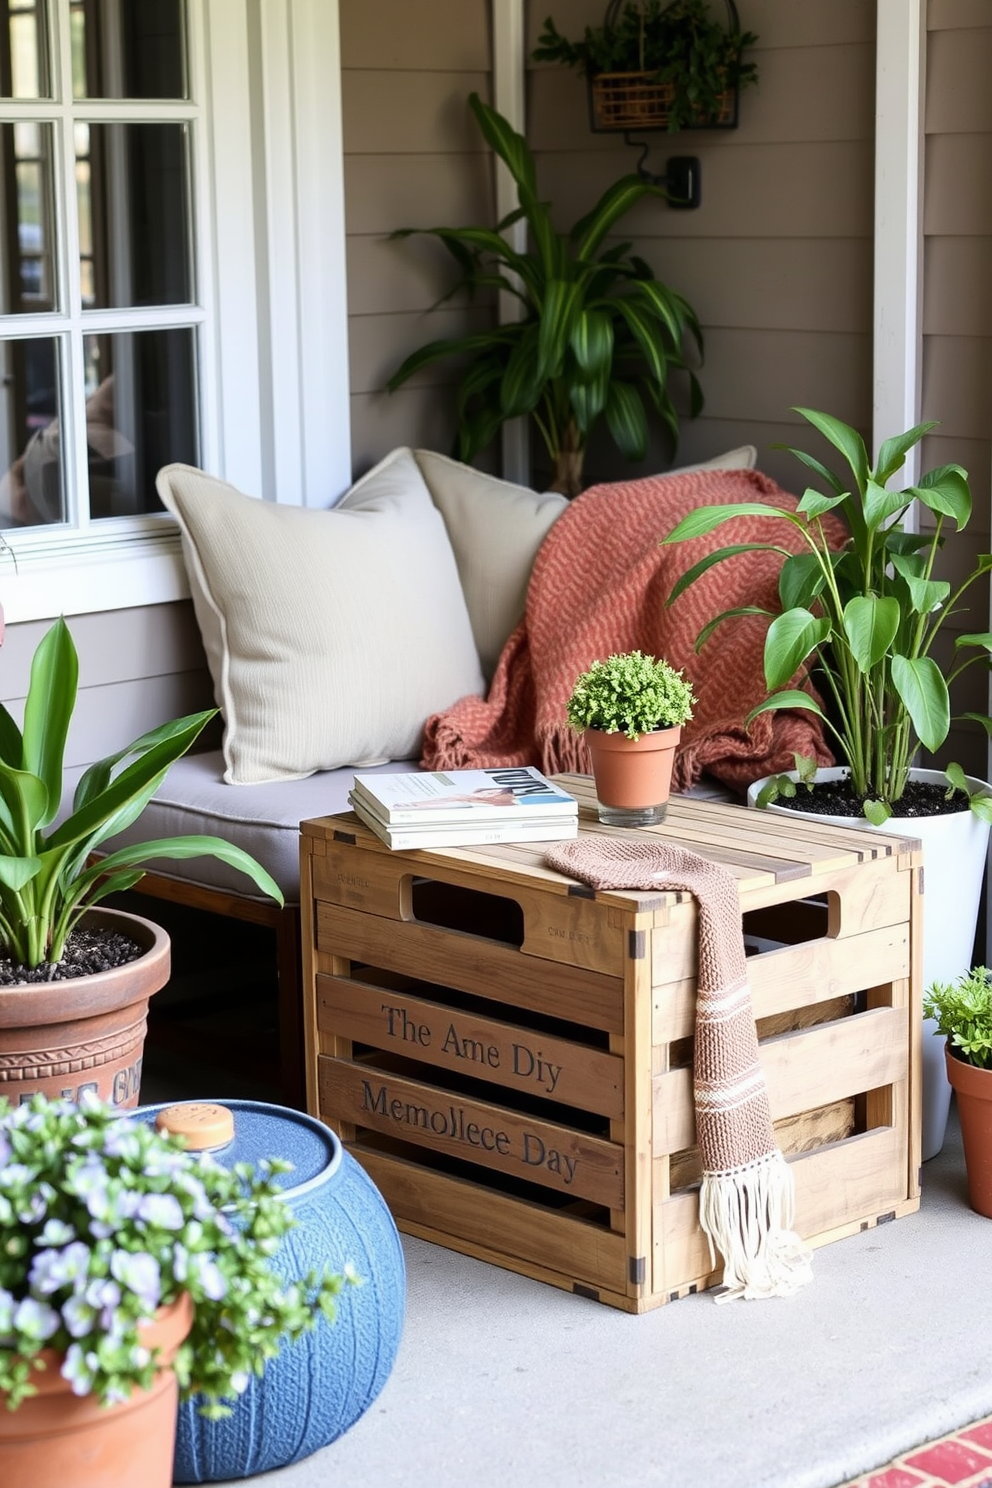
(747, 1199)
(601, 584)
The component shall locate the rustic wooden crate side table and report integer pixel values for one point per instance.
(509, 1053)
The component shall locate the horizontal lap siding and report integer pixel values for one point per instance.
(777, 261)
(137, 668)
(957, 310)
(413, 158)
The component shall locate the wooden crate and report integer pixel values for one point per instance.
(509, 1054)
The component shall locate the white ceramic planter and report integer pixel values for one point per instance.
(954, 851)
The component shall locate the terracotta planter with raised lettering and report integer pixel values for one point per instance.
(85, 1033)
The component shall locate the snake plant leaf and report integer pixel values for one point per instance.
(142, 853)
(921, 686)
(791, 638)
(26, 797)
(11, 743)
(870, 625)
(16, 873)
(48, 711)
(893, 451)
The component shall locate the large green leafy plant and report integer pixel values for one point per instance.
(681, 43)
(105, 1220)
(599, 335)
(865, 616)
(629, 693)
(45, 881)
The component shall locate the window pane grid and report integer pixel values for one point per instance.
(109, 280)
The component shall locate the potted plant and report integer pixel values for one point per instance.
(599, 335)
(630, 710)
(864, 620)
(131, 1271)
(962, 1013)
(652, 65)
(75, 980)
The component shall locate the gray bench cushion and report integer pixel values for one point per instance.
(263, 819)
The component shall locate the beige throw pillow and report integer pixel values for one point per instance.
(495, 528)
(330, 635)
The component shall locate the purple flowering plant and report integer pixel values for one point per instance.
(103, 1220)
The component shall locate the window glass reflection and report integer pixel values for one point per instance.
(27, 262)
(132, 183)
(32, 489)
(140, 415)
(24, 69)
(126, 49)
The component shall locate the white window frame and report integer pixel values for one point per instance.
(273, 375)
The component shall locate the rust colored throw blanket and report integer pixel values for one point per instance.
(600, 585)
(747, 1201)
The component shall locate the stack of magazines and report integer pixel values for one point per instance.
(460, 808)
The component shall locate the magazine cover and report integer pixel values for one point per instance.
(472, 833)
(463, 795)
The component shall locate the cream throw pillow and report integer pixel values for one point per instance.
(495, 529)
(330, 635)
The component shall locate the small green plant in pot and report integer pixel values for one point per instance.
(599, 337)
(962, 1011)
(630, 710)
(130, 1268)
(50, 929)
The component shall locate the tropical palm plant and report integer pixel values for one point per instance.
(599, 335)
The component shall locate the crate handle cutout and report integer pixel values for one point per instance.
(469, 911)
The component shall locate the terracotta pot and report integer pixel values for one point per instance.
(633, 776)
(87, 1033)
(973, 1088)
(59, 1440)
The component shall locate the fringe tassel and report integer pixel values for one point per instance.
(747, 1216)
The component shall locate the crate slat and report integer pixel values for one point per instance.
(509, 1053)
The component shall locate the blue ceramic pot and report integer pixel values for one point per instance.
(320, 1385)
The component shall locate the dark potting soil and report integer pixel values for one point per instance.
(835, 798)
(86, 952)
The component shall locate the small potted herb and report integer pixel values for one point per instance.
(653, 65)
(630, 710)
(131, 1271)
(962, 1011)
